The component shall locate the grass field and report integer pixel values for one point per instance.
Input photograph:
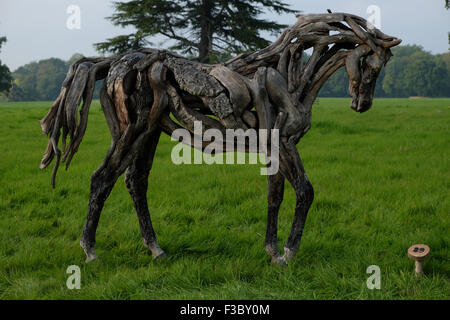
(381, 180)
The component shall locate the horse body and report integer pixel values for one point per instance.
(267, 89)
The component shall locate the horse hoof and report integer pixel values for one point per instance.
(288, 254)
(161, 256)
(89, 251)
(279, 261)
(91, 257)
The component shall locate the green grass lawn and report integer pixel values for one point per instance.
(381, 184)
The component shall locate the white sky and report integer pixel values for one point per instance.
(36, 29)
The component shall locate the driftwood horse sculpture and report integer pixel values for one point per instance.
(273, 88)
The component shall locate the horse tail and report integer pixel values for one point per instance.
(62, 120)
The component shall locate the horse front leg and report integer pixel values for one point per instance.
(275, 192)
(292, 167)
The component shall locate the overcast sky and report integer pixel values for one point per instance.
(37, 29)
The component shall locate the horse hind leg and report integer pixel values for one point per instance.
(117, 159)
(102, 182)
(136, 180)
(128, 144)
(136, 175)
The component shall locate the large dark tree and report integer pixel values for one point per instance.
(201, 28)
(5, 74)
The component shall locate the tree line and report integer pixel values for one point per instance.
(412, 71)
(212, 31)
(39, 80)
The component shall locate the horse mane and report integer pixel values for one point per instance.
(318, 31)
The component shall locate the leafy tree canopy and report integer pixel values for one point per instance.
(205, 28)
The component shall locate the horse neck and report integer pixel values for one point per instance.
(316, 73)
(304, 80)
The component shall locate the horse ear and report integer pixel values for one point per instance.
(393, 43)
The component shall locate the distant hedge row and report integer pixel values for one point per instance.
(410, 72)
(40, 81)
